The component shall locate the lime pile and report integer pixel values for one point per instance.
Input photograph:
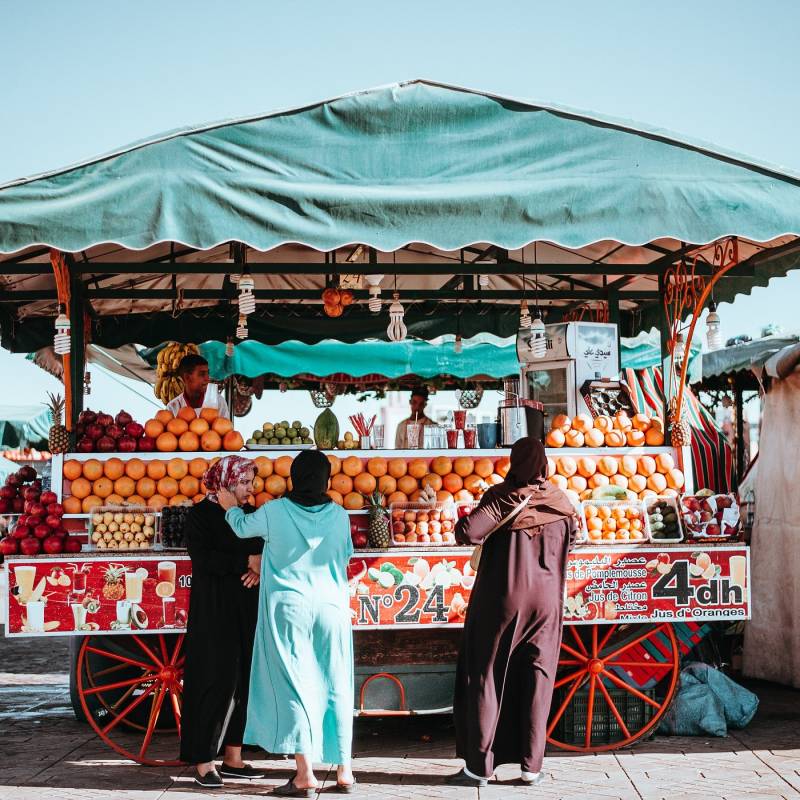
(281, 433)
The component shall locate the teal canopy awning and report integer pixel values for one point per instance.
(24, 426)
(391, 360)
(481, 357)
(410, 162)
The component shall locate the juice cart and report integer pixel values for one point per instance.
(393, 206)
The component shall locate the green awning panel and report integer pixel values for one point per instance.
(741, 357)
(410, 162)
(387, 359)
(24, 426)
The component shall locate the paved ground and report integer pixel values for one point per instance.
(45, 753)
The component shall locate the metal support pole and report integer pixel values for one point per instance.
(664, 350)
(612, 298)
(738, 402)
(77, 345)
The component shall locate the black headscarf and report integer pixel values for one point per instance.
(528, 463)
(310, 473)
(527, 477)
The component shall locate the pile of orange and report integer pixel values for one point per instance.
(189, 433)
(645, 475)
(400, 480)
(155, 482)
(614, 523)
(618, 431)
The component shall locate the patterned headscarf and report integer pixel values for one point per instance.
(225, 474)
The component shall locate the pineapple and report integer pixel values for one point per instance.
(113, 586)
(58, 438)
(378, 535)
(681, 433)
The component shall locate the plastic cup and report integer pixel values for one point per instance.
(377, 436)
(459, 419)
(452, 438)
(487, 435)
(413, 435)
(469, 437)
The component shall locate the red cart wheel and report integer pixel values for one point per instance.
(598, 704)
(135, 694)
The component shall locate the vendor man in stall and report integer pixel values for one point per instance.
(198, 391)
(419, 399)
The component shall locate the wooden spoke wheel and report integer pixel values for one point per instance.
(613, 685)
(130, 688)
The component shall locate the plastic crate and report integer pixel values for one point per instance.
(571, 728)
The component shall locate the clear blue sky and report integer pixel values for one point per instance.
(81, 78)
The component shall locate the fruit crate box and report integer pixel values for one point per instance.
(438, 519)
(132, 529)
(625, 505)
(670, 503)
(571, 728)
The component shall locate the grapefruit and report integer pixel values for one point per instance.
(102, 487)
(209, 414)
(146, 487)
(188, 442)
(124, 486)
(555, 438)
(167, 487)
(335, 496)
(199, 426)
(365, 483)
(275, 485)
(502, 465)
(283, 466)
(484, 467)
(463, 466)
(187, 414)
(135, 469)
(167, 442)
(407, 485)
(418, 468)
(433, 480)
(153, 428)
(81, 488)
(92, 469)
(177, 426)
(157, 502)
(397, 497)
(210, 442)
(198, 467)
(90, 502)
(233, 441)
(336, 464)
(353, 501)
(73, 469)
(164, 416)
(263, 466)
(221, 426)
(377, 467)
(177, 468)
(397, 467)
(442, 465)
(452, 482)
(114, 468)
(189, 486)
(387, 485)
(351, 466)
(72, 505)
(156, 469)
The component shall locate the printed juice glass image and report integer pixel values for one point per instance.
(133, 587)
(35, 611)
(166, 572)
(79, 582)
(738, 568)
(168, 607)
(78, 615)
(24, 576)
(124, 612)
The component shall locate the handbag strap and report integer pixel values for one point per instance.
(508, 517)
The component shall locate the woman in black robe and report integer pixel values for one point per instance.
(512, 633)
(223, 612)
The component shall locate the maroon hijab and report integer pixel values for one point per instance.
(527, 477)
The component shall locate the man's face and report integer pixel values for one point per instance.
(197, 380)
(418, 403)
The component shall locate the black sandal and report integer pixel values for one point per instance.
(290, 790)
(346, 788)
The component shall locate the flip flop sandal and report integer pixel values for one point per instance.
(290, 790)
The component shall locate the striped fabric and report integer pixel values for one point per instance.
(712, 457)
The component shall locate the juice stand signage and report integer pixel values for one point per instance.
(651, 585)
(77, 597)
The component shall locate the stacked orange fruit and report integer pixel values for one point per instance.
(618, 431)
(189, 433)
(614, 522)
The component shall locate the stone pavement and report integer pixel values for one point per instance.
(46, 753)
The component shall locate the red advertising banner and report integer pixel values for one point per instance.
(652, 585)
(79, 596)
(410, 589)
(413, 589)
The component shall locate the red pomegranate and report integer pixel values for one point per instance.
(30, 546)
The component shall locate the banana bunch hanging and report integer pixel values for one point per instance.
(168, 384)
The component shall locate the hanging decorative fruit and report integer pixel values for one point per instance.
(335, 300)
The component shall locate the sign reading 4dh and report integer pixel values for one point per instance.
(651, 585)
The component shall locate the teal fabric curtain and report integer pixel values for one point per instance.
(24, 426)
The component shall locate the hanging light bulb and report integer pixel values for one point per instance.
(241, 330)
(397, 330)
(229, 348)
(483, 281)
(538, 344)
(713, 332)
(247, 300)
(61, 343)
(524, 316)
(458, 347)
(374, 282)
(87, 382)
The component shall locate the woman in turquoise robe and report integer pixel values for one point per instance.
(301, 684)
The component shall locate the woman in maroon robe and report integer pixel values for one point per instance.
(512, 633)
